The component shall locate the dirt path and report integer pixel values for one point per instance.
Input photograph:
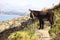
(43, 34)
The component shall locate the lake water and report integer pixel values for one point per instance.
(7, 17)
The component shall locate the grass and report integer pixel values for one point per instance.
(34, 26)
(21, 35)
(25, 34)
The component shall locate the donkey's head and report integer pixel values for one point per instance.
(33, 14)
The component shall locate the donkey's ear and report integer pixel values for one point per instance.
(30, 10)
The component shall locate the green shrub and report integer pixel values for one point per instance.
(21, 35)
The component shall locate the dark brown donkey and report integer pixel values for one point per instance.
(49, 15)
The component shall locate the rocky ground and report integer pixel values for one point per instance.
(16, 22)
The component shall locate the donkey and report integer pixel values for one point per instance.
(40, 15)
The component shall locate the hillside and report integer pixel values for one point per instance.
(23, 28)
(16, 24)
(55, 31)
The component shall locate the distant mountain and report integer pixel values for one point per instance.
(12, 13)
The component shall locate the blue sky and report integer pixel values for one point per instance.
(24, 5)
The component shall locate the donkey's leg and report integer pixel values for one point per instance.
(41, 22)
(51, 21)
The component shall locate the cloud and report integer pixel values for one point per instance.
(22, 5)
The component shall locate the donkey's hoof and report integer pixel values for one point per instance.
(39, 28)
